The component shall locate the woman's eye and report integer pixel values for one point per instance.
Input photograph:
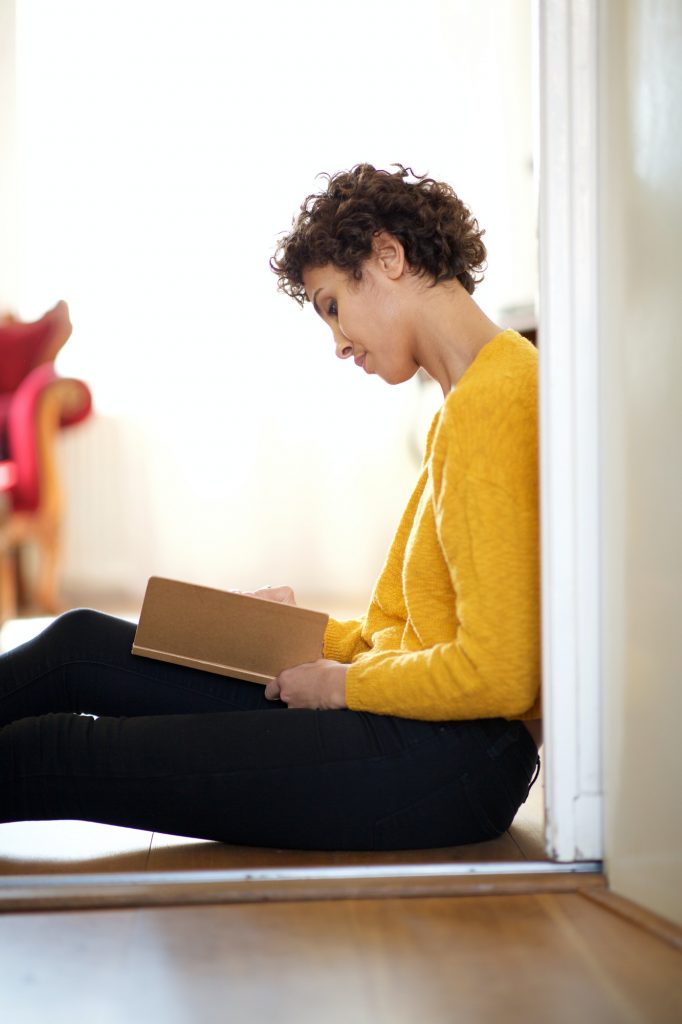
(331, 308)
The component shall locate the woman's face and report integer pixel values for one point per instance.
(367, 318)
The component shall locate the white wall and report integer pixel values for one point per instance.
(641, 375)
(231, 447)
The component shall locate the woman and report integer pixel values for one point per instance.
(419, 726)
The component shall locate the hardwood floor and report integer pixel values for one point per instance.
(532, 958)
(562, 956)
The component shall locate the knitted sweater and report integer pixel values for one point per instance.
(452, 630)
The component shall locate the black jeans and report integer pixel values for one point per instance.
(186, 752)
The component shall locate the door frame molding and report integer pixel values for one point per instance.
(567, 130)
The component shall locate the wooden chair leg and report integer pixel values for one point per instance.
(8, 585)
(47, 581)
(24, 584)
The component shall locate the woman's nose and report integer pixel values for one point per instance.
(343, 349)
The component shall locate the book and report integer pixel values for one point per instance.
(225, 633)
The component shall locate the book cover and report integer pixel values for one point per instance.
(225, 633)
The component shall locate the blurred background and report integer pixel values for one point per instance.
(155, 151)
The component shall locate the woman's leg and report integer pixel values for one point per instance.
(301, 779)
(82, 663)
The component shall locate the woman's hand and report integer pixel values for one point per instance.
(320, 685)
(284, 595)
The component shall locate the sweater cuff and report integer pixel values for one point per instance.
(335, 640)
(354, 687)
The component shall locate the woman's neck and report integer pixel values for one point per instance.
(450, 331)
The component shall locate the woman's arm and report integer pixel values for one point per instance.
(492, 665)
(484, 511)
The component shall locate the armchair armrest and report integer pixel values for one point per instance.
(42, 403)
(8, 476)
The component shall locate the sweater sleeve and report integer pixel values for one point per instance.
(487, 531)
(346, 640)
(343, 640)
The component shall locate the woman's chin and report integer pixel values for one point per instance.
(400, 376)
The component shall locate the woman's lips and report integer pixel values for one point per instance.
(360, 360)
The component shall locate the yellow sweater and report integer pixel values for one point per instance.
(452, 630)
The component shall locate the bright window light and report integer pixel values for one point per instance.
(163, 148)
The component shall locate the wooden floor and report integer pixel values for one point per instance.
(541, 957)
(558, 958)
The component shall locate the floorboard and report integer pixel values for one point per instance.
(533, 958)
(68, 847)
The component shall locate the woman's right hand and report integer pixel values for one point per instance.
(284, 595)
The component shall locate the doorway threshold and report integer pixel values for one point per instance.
(389, 881)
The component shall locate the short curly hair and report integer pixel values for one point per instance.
(440, 236)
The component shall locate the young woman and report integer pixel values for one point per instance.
(420, 725)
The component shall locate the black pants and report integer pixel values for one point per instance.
(186, 752)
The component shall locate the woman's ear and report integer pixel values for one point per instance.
(389, 254)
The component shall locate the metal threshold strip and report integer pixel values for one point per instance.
(178, 888)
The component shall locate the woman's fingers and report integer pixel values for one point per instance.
(272, 689)
(284, 595)
(317, 684)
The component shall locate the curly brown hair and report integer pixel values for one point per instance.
(441, 238)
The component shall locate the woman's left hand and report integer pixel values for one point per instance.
(320, 685)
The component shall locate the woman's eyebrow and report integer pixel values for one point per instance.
(315, 305)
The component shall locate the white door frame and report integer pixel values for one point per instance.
(567, 126)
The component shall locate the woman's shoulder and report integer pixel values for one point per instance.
(494, 406)
(503, 370)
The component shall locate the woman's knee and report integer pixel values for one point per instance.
(85, 628)
(77, 621)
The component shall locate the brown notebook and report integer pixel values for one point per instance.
(230, 634)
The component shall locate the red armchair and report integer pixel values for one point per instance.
(34, 404)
